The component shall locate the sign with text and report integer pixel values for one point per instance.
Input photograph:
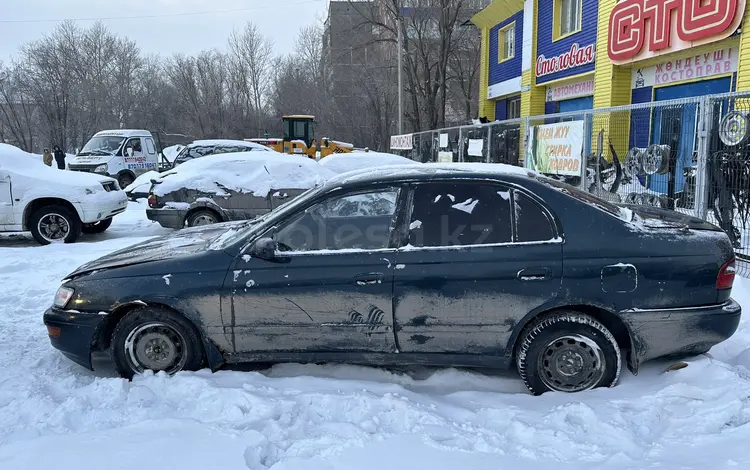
(402, 142)
(722, 61)
(570, 91)
(575, 57)
(641, 29)
(556, 149)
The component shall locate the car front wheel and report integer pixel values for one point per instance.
(55, 224)
(155, 339)
(568, 352)
(97, 227)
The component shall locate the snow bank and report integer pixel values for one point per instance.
(245, 172)
(344, 162)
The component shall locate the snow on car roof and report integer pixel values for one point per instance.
(245, 172)
(344, 162)
(25, 164)
(242, 143)
(414, 169)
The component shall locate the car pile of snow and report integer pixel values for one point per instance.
(352, 161)
(243, 172)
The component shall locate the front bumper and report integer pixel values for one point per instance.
(681, 331)
(168, 217)
(76, 335)
(103, 206)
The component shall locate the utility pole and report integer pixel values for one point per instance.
(400, 72)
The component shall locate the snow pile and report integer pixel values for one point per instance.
(170, 153)
(142, 184)
(244, 172)
(344, 162)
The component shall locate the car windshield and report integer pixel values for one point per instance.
(102, 145)
(590, 199)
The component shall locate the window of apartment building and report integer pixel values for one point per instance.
(514, 108)
(567, 17)
(506, 46)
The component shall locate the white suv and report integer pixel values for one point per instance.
(54, 205)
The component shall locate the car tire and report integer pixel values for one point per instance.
(155, 339)
(567, 352)
(202, 217)
(125, 180)
(55, 224)
(97, 227)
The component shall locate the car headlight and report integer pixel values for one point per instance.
(62, 296)
(101, 169)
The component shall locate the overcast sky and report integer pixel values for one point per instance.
(24, 20)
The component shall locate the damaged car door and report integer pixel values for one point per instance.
(321, 281)
(481, 256)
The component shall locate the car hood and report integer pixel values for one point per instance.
(91, 159)
(179, 244)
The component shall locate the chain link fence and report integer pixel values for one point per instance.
(690, 155)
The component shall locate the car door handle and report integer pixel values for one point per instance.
(369, 279)
(534, 274)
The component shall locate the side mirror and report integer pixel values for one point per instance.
(265, 248)
(129, 151)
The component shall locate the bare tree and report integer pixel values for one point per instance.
(16, 109)
(251, 58)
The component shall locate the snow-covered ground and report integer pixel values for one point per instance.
(55, 414)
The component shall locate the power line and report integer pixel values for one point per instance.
(167, 15)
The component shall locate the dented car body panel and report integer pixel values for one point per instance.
(409, 296)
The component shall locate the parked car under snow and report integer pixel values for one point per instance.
(352, 161)
(232, 186)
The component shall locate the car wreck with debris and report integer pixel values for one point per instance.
(470, 265)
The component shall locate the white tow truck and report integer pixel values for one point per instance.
(123, 154)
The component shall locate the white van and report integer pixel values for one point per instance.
(54, 205)
(123, 154)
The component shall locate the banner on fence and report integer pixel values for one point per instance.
(402, 142)
(556, 148)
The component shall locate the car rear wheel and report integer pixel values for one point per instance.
(155, 339)
(97, 227)
(55, 224)
(568, 352)
(202, 217)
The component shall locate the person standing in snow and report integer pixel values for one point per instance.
(47, 158)
(59, 158)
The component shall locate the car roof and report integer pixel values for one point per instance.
(226, 142)
(124, 133)
(428, 171)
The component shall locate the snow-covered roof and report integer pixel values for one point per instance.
(251, 145)
(124, 133)
(246, 172)
(344, 162)
(419, 169)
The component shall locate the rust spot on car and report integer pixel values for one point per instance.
(419, 321)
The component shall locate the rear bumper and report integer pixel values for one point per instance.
(168, 217)
(76, 335)
(681, 331)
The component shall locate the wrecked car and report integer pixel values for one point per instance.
(472, 265)
(230, 186)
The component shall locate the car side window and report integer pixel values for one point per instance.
(356, 221)
(532, 222)
(460, 214)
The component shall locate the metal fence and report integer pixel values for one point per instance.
(690, 155)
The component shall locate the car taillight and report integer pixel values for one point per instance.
(152, 201)
(725, 279)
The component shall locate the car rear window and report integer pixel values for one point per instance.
(588, 198)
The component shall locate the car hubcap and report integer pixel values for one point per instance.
(571, 364)
(53, 227)
(156, 347)
(204, 219)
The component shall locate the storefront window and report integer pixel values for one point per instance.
(570, 16)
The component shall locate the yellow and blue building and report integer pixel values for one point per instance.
(548, 56)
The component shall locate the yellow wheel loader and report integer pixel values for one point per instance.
(299, 138)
